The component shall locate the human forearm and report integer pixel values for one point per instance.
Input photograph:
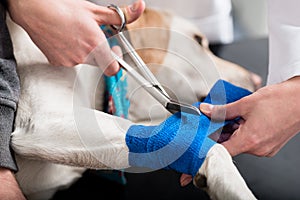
(9, 188)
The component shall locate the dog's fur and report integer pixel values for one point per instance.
(53, 112)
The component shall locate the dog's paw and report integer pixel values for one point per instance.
(200, 181)
(219, 177)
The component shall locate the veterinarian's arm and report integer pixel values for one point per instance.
(67, 31)
(272, 114)
(9, 92)
(9, 188)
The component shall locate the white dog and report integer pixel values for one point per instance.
(60, 130)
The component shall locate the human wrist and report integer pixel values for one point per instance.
(292, 88)
(9, 189)
(286, 94)
(13, 7)
(6, 174)
(21, 10)
(295, 82)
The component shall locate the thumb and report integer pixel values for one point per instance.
(222, 112)
(109, 16)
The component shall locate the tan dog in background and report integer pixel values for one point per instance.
(55, 102)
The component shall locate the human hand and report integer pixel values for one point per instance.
(270, 118)
(67, 31)
(9, 188)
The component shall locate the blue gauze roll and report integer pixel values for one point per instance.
(181, 142)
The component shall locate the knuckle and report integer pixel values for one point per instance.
(79, 60)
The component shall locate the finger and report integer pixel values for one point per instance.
(112, 69)
(222, 112)
(234, 144)
(102, 57)
(185, 179)
(132, 12)
(118, 51)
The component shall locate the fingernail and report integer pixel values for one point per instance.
(185, 181)
(134, 6)
(205, 107)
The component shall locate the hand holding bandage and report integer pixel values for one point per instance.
(182, 141)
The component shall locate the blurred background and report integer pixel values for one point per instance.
(244, 41)
(249, 19)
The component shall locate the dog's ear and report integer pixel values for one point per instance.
(152, 18)
(150, 36)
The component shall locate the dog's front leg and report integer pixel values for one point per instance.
(83, 138)
(219, 177)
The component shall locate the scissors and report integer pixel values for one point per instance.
(146, 79)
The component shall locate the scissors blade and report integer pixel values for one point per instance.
(154, 90)
(174, 107)
(171, 105)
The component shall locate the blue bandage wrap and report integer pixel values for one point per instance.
(181, 142)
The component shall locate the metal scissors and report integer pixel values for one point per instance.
(146, 79)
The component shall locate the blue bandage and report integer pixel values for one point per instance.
(181, 142)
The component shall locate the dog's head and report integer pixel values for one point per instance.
(178, 54)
